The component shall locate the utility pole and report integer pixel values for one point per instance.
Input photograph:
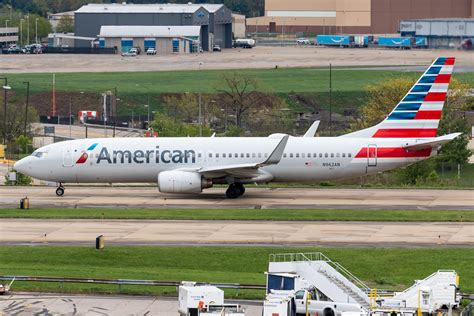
(26, 105)
(330, 99)
(5, 88)
(36, 30)
(28, 28)
(21, 31)
(70, 116)
(200, 103)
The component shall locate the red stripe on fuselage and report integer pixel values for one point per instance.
(435, 96)
(394, 152)
(405, 132)
(428, 115)
(443, 78)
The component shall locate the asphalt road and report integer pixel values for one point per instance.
(149, 197)
(64, 304)
(263, 233)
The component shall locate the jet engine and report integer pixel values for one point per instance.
(182, 182)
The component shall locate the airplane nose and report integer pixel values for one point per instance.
(21, 165)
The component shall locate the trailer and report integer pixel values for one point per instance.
(244, 42)
(335, 40)
(194, 299)
(421, 42)
(396, 42)
(361, 41)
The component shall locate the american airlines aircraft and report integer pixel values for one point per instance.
(189, 165)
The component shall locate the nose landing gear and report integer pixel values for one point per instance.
(60, 190)
(235, 190)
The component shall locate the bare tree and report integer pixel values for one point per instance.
(241, 96)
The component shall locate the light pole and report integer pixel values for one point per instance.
(200, 103)
(28, 28)
(36, 30)
(148, 109)
(21, 31)
(6, 23)
(6, 87)
(26, 105)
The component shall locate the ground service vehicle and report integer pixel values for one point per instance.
(244, 42)
(151, 51)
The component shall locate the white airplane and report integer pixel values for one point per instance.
(189, 165)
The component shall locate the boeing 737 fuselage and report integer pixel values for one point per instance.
(188, 165)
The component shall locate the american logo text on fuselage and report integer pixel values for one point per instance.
(146, 156)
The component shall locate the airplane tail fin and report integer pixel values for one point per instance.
(417, 115)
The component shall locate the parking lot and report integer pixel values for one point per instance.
(258, 57)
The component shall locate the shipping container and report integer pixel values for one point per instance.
(335, 40)
(397, 42)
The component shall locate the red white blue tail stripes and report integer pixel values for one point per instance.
(419, 112)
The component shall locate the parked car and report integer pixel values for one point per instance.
(131, 53)
(151, 51)
(216, 48)
(303, 41)
(137, 49)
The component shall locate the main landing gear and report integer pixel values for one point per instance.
(60, 190)
(235, 190)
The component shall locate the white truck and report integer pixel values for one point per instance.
(244, 42)
(194, 299)
(307, 302)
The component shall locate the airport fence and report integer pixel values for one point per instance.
(123, 282)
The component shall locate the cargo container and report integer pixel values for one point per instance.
(335, 40)
(421, 42)
(396, 42)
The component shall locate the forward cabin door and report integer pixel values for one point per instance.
(67, 157)
(372, 155)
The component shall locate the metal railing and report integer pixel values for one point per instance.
(120, 282)
(318, 256)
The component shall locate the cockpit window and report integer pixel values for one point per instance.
(38, 154)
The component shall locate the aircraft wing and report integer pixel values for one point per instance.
(438, 141)
(247, 169)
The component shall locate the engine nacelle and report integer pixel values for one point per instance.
(182, 182)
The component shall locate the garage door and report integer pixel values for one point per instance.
(150, 43)
(127, 43)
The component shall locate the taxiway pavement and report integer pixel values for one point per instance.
(149, 197)
(263, 233)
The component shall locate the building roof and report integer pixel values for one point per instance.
(149, 31)
(440, 20)
(146, 8)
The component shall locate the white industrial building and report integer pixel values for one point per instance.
(8, 35)
(165, 39)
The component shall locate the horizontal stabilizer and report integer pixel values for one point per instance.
(438, 141)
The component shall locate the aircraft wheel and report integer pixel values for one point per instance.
(60, 191)
(241, 188)
(232, 192)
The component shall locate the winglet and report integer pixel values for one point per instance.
(312, 129)
(277, 153)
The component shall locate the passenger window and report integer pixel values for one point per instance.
(199, 155)
(248, 155)
(217, 155)
(332, 155)
(291, 155)
(337, 155)
(253, 155)
(266, 155)
(309, 155)
(297, 155)
(343, 155)
(284, 155)
(320, 155)
(326, 155)
(241, 155)
(210, 155)
(259, 155)
(303, 155)
(349, 155)
(236, 155)
(230, 155)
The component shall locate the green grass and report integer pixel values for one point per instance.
(282, 80)
(244, 214)
(381, 268)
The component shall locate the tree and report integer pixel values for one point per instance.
(167, 126)
(65, 24)
(16, 118)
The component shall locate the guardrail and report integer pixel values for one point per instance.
(120, 282)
